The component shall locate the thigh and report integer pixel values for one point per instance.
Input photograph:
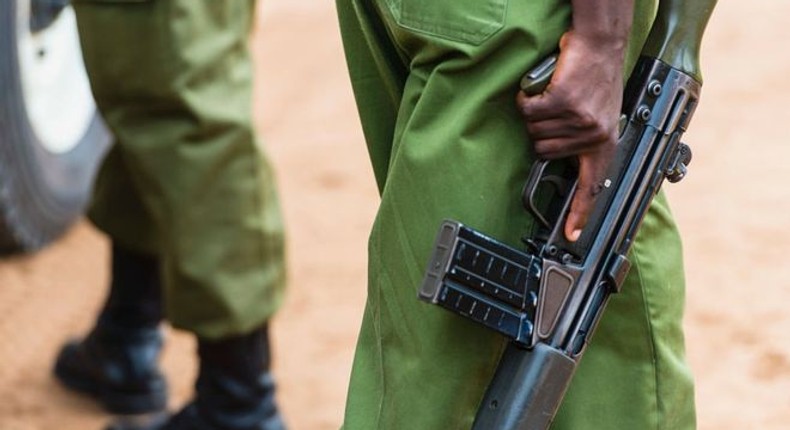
(634, 374)
(153, 49)
(455, 147)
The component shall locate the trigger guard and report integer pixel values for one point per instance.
(561, 185)
(536, 179)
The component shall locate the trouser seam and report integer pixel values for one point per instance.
(376, 316)
(650, 339)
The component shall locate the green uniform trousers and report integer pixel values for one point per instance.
(435, 83)
(186, 179)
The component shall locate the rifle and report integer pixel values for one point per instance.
(549, 298)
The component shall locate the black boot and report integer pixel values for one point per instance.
(117, 362)
(234, 390)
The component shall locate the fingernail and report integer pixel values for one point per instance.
(575, 235)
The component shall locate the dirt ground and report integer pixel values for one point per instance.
(732, 209)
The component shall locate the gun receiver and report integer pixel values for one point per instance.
(548, 300)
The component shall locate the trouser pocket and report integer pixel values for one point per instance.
(469, 21)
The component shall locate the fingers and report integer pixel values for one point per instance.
(558, 131)
(540, 107)
(592, 171)
(560, 138)
(553, 103)
(565, 121)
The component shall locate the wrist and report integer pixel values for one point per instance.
(595, 45)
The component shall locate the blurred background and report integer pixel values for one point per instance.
(733, 209)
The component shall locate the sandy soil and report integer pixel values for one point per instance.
(732, 208)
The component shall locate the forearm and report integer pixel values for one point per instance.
(606, 23)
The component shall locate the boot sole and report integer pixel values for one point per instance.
(113, 401)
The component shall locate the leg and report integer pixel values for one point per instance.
(431, 149)
(637, 356)
(117, 362)
(173, 80)
(450, 145)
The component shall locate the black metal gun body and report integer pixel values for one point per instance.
(549, 298)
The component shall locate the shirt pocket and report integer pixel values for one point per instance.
(468, 21)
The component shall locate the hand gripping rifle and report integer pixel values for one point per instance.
(548, 299)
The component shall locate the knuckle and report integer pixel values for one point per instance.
(542, 148)
(546, 150)
(524, 107)
(600, 134)
(587, 120)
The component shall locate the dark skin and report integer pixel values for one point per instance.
(578, 113)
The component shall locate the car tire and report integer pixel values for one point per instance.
(51, 136)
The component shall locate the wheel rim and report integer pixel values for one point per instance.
(55, 87)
